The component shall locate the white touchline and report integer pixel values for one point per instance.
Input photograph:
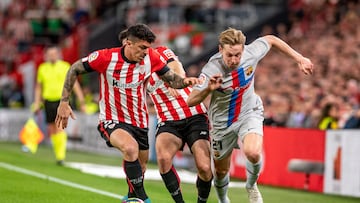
(57, 180)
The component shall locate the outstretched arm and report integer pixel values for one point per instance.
(178, 82)
(304, 63)
(197, 96)
(64, 110)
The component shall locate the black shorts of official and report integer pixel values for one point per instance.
(139, 134)
(51, 110)
(188, 130)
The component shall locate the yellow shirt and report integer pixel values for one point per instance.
(51, 77)
(328, 123)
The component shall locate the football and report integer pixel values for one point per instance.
(134, 200)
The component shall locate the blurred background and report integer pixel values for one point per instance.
(326, 31)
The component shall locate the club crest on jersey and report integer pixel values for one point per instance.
(216, 153)
(93, 56)
(249, 71)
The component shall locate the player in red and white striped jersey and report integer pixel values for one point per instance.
(178, 125)
(123, 114)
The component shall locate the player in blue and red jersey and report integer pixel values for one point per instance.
(235, 110)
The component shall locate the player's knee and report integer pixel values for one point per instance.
(130, 151)
(164, 159)
(204, 171)
(252, 155)
(221, 172)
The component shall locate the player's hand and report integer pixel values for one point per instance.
(189, 81)
(63, 112)
(306, 66)
(215, 82)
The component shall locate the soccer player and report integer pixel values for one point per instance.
(179, 124)
(123, 117)
(235, 110)
(49, 82)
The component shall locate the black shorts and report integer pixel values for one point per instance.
(139, 134)
(51, 110)
(188, 130)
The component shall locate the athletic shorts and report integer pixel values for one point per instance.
(188, 130)
(139, 134)
(225, 140)
(51, 110)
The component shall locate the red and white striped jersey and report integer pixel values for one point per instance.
(122, 84)
(169, 108)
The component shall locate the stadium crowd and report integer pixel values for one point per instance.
(328, 31)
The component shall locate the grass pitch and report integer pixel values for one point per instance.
(72, 185)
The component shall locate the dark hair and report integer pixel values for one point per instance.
(122, 35)
(142, 32)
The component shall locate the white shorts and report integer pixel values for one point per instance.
(225, 140)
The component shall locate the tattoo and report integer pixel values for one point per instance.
(174, 80)
(76, 69)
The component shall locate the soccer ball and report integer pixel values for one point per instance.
(134, 200)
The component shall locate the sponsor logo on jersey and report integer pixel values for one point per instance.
(157, 84)
(93, 56)
(116, 83)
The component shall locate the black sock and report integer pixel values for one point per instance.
(131, 192)
(172, 183)
(203, 189)
(135, 178)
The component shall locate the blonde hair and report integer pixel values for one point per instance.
(231, 36)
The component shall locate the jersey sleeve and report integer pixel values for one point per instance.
(166, 53)
(97, 59)
(258, 48)
(157, 61)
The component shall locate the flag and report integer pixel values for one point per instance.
(31, 135)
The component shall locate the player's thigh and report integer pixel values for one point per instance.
(125, 142)
(202, 156)
(252, 143)
(167, 144)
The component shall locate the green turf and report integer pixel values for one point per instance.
(17, 187)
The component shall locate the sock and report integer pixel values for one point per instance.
(221, 187)
(203, 189)
(172, 183)
(135, 178)
(58, 141)
(252, 173)
(131, 192)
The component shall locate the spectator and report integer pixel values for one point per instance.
(329, 117)
(11, 83)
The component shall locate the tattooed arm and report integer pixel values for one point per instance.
(64, 110)
(176, 81)
(76, 69)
